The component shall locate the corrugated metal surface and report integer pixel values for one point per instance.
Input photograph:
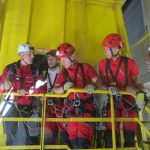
(136, 30)
(134, 21)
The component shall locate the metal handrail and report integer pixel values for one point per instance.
(43, 119)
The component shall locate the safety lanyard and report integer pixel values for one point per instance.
(76, 73)
(49, 80)
(21, 79)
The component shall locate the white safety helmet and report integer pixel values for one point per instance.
(25, 48)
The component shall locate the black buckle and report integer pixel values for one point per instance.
(49, 90)
(50, 102)
(118, 97)
(76, 103)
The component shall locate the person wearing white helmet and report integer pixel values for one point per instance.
(26, 53)
(22, 77)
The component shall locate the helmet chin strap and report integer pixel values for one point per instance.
(70, 61)
(112, 54)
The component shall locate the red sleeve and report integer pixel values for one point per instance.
(41, 90)
(4, 75)
(133, 67)
(60, 78)
(91, 72)
(101, 66)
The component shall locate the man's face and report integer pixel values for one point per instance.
(108, 52)
(52, 61)
(27, 57)
(66, 62)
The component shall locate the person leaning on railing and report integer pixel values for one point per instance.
(24, 78)
(54, 106)
(77, 75)
(120, 73)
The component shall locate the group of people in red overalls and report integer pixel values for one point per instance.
(28, 76)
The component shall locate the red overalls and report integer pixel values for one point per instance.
(118, 73)
(21, 77)
(80, 75)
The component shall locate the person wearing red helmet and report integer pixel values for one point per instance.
(121, 73)
(77, 75)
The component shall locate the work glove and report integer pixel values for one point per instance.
(90, 88)
(67, 86)
(141, 99)
(113, 90)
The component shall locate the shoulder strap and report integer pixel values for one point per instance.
(107, 68)
(49, 80)
(66, 76)
(12, 68)
(82, 72)
(125, 59)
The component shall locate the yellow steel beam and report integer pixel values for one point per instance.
(76, 90)
(31, 147)
(21, 119)
(43, 123)
(2, 17)
(143, 127)
(147, 109)
(128, 148)
(140, 41)
(104, 2)
(113, 122)
(17, 94)
(57, 147)
(70, 119)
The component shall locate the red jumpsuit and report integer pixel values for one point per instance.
(113, 73)
(21, 77)
(80, 75)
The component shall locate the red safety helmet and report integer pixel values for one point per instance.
(65, 50)
(51, 52)
(113, 40)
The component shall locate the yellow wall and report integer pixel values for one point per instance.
(47, 23)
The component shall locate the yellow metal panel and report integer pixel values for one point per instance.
(88, 22)
(47, 23)
(100, 21)
(47, 30)
(15, 29)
